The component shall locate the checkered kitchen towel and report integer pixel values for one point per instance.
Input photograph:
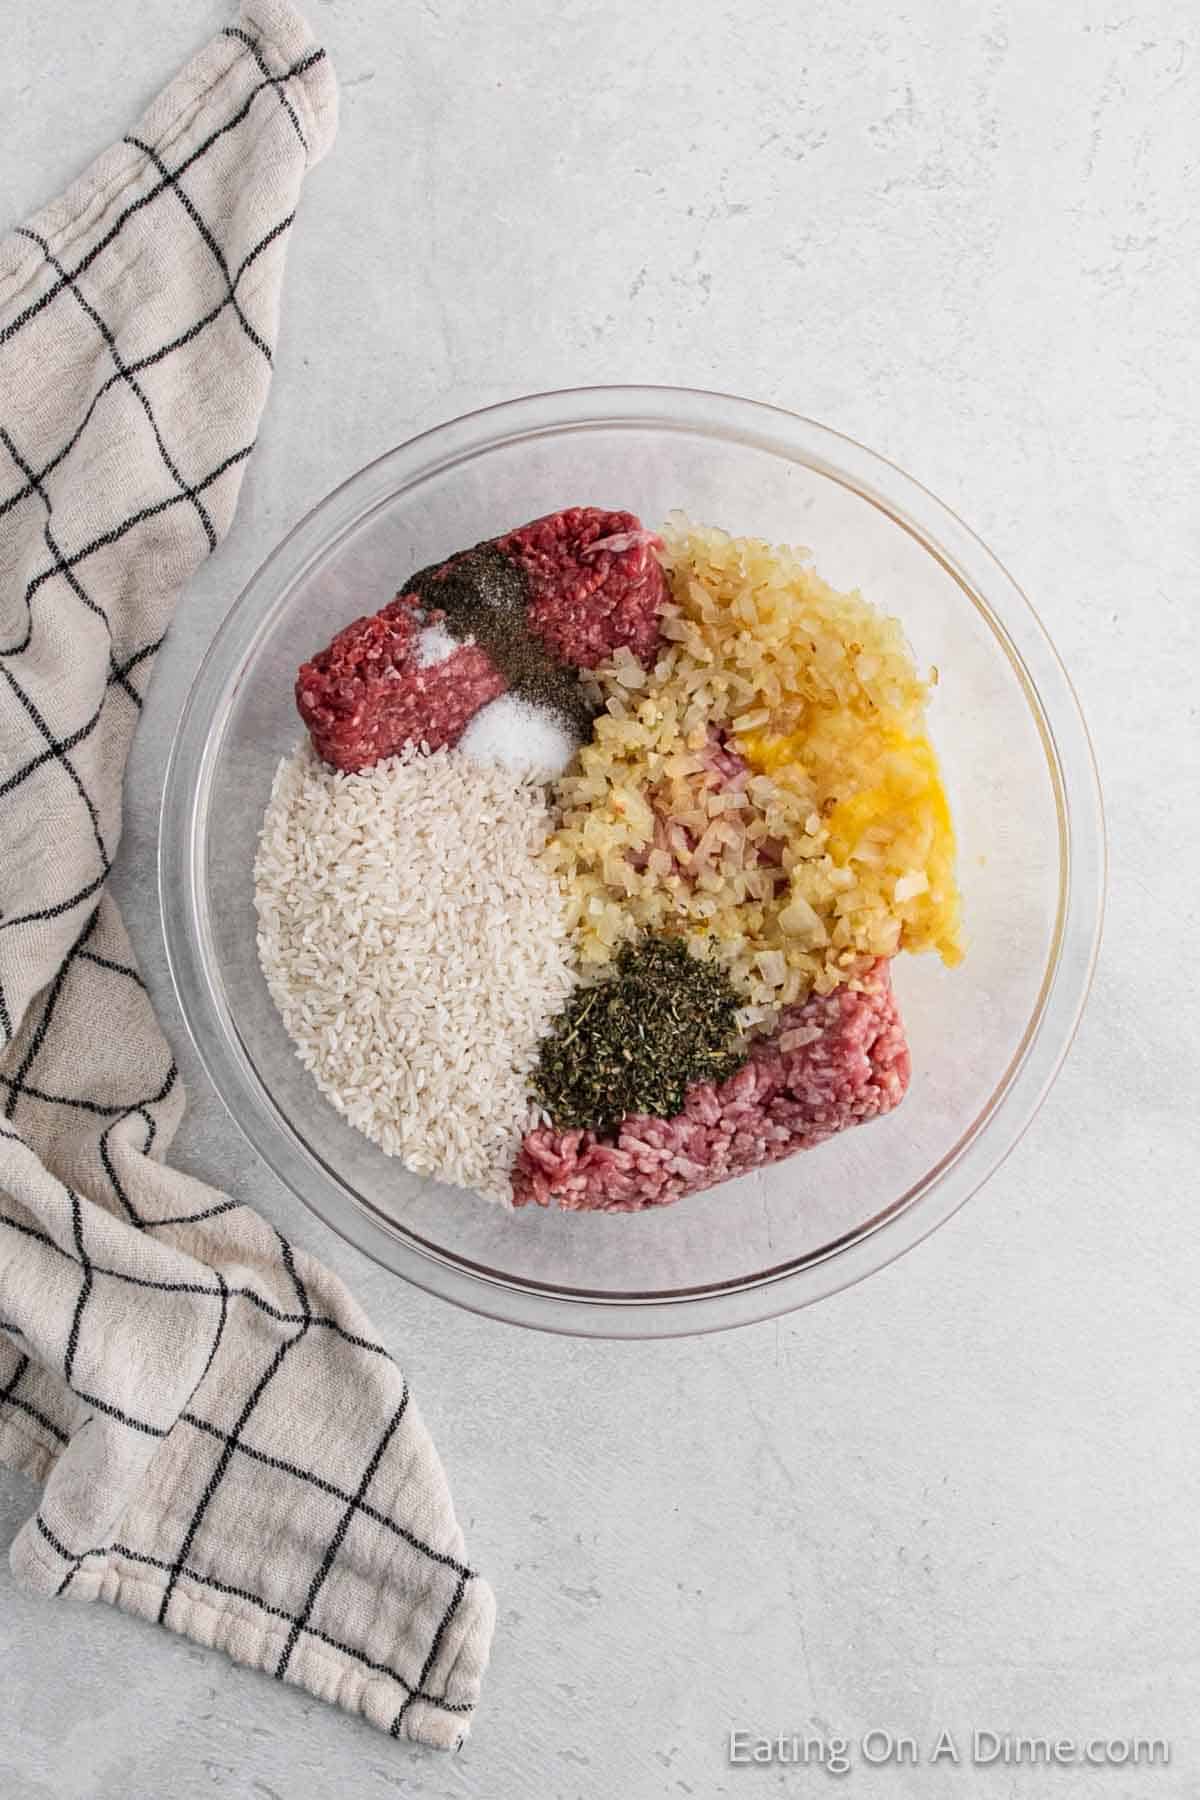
(224, 1445)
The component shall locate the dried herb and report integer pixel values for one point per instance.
(635, 1042)
(485, 595)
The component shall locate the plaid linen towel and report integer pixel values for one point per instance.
(225, 1446)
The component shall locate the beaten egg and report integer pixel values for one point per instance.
(893, 826)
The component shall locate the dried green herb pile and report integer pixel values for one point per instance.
(634, 1044)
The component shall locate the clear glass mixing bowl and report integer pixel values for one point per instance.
(987, 1038)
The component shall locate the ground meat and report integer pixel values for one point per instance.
(835, 1061)
(594, 582)
(368, 694)
(540, 602)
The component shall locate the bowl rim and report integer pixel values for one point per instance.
(1071, 766)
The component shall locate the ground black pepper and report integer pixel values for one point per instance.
(635, 1042)
(485, 595)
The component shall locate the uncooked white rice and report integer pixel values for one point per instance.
(416, 949)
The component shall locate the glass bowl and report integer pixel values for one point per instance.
(987, 1038)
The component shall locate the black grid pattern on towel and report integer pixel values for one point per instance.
(214, 1449)
(233, 1443)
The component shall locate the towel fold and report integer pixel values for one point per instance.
(225, 1445)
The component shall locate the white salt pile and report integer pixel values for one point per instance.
(525, 738)
(435, 644)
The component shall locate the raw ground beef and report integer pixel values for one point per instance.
(589, 582)
(594, 582)
(367, 695)
(835, 1061)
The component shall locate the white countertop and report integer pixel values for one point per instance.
(964, 1493)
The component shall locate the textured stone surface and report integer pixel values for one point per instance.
(965, 1492)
